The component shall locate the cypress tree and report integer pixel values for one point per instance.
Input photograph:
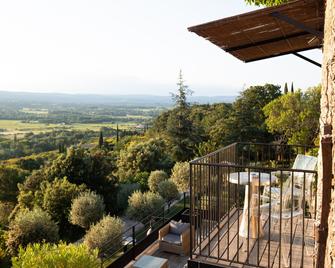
(101, 140)
(117, 133)
(285, 89)
(292, 89)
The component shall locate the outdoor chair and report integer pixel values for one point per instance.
(288, 204)
(174, 237)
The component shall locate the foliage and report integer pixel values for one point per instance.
(141, 178)
(266, 2)
(105, 234)
(54, 256)
(142, 156)
(295, 116)
(125, 190)
(142, 205)
(155, 178)
(5, 211)
(87, 209)
(247, 121)
(168, 190)
(181, 133)
(57, 198)
(30, 226)
(181, 176)
(9, 178)
(93, 168)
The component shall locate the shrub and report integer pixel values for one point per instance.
(54, 256)
(5, 210)
(142, 179)
(30, 227)
(87, 209)
(181, 175)
(155, 178)
(144, 204)
(168, 190)
(57, 198)
(124, 192)
(105, 235)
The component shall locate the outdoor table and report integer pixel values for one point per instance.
(256, 179)
(147, 261)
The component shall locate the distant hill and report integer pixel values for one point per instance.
(127, 100)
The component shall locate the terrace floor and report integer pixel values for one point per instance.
(175, 261)
(263, 252)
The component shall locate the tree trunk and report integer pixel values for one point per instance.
(327, 118)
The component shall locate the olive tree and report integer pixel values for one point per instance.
(86, 209)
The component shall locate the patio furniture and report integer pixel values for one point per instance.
(288, 204)
(255, 180)
(147, 261)
(174, 237)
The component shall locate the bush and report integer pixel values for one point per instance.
(168, 190)
(57, 198)
(144, 204)
(155, 178)
(30, 227)
(87, 209)
(5, 210)
(105, 235)
(181, 175)
(124, 192)
(142, 179)
(142, 156)
(54, 256)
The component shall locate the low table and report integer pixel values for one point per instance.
(147, 261)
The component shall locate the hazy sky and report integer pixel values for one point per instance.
(129, 47)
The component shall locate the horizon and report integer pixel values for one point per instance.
(124, 46)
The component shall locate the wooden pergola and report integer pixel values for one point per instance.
(269, 32)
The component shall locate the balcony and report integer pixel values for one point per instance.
(253, 205)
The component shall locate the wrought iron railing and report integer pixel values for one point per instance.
(250, 207)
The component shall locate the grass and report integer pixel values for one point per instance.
(11, 127)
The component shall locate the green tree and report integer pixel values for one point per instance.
(105, 235)
(93, 168)
(181, 176)
(266, 2)
(155, 178)
(57, 199)
(247, 120)
(101, 139)
(180, 131)
(30, 227)
(9, 179)
(285, 89)
(168, 190)
(86, 209)
(53, 256)
(143, 156)
(142, 205)
(295, 116)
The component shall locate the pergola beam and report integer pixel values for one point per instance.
(297, 24)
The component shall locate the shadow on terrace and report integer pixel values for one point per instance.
(253, 205)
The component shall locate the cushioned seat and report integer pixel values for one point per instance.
(172, 238)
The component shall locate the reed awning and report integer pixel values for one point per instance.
(268, 32)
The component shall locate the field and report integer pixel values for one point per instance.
(11, 127)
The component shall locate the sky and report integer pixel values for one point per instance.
(130, 47)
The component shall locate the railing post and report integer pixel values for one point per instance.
(134, 241)
(184, 200)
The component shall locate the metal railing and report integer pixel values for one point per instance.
(129, 242)
(249, 206)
